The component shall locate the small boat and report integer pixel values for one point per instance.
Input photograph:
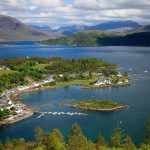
(145, 71)
(130, 69)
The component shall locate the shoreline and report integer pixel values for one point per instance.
(31, 112)
(7, 121)
(15, 96)
(102, 109)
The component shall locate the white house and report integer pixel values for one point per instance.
(119, 74)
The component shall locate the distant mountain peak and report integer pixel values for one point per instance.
(106, 26)
(115, 24)
(12, 29)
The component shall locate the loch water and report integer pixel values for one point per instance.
(132, 120)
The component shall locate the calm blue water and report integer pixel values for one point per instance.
(137, 95)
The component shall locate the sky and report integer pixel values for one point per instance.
(57, 13)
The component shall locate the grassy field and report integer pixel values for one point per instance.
(6, 72)
(84, 82)
(40, 66)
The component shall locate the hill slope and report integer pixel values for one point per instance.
(12, 29)
(102, 38)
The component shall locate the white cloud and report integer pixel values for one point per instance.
(111, 4)
(121, 13)
(10, 4)
(33, 8)
(90, 4)
(57, 12)
(47, 3)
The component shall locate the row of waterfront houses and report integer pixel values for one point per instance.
(4, 68)
(7, 103)
(107, 80)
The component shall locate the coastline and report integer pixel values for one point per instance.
(8, 121)
(15, 96)
(30, 111)
(102, 109)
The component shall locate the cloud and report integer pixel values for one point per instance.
(90, 4)
(110, 4)
(62, 12)
(46, 3)
(32, 8)
(13, 4)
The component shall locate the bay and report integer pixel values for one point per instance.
(133, 120)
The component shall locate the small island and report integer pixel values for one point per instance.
(97, 105)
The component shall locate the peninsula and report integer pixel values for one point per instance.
(18, 75)
(97, 105)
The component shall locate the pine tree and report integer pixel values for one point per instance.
(148, 132)
(76, 140)
(55, 140)
(100, 143)
(116, 138)
(1, 147)
(90, 145)
(129, 145)
(39, 134)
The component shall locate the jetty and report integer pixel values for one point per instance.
(61, 113)
(41, 115)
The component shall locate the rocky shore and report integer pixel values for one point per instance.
(102, 109)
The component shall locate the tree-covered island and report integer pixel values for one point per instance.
(97, 105)
(19, 75)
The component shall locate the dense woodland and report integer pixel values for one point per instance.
(76, 140)
(27, 70)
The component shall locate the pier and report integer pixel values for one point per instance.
(61, 113)
(41, 115)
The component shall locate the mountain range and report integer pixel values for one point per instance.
(108, 33)
(117, 26)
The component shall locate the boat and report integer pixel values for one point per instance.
(145, 71)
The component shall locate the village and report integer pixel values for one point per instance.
(20, 110)
(4, 68)
(119, 79)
